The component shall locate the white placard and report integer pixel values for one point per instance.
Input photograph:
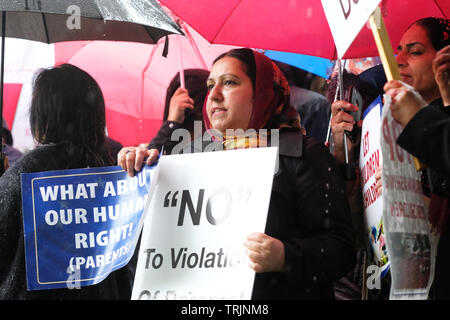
(410, 244)
(370, 158)
(346, 18)
(203, 207)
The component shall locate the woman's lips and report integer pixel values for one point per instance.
(405, 77)
(218, 111)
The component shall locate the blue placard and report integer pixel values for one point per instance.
(82, 224)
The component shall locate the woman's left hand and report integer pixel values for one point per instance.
(441, 69)
(266, 254)
(406, 101)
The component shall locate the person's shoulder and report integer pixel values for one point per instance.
(12, 153)
(293, 143)
(308, 94)
(316, 148)
(290, 142)
(38, 158)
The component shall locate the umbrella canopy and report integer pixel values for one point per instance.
(68, 20)
(63, 20)
(319, 66)
(298, 26)
(134, 78)
(12, 94)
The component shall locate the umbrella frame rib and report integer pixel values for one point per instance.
(44, 21)
(147, 29)
(2, 67)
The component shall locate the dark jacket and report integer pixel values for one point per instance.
(309, 213)
(12, 255)
(427, 137)
(164, 135)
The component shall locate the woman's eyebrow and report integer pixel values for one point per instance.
(223, 76)
(410, 45)
(229, 75)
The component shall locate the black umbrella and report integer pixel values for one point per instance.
(53, 21)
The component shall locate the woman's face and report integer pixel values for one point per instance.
(415, 56)
(230, 99)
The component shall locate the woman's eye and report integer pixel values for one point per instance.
(229, 82)
(210, 87)
(416, 53)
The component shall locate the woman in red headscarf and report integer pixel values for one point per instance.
(308, 240)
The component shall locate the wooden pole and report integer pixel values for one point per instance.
(384, 47)
(387, 56)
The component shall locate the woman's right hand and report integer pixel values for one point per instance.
(132, 158)
(378, 185)
(341, 121)
(441, 69)
(179, 102)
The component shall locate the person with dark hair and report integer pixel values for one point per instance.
(421, 105)
(67, 118)
(11, 153)
(357, 92)
(375, 77)
(308, 240)
(342, 120)
(182, 108)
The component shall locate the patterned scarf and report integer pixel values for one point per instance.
(271, 107)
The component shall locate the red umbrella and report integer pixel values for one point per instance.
(298, 26)
(11, 97)
(134, 78)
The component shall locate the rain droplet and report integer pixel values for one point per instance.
(326, 195)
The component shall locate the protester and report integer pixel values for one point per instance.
(420, 103)
(67, 119)
(352, 285)
(182, 108)
(308, 241)
(12, 153)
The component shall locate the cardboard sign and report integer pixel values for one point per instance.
(346, 18)
(80, 225)
(370, 158)
(409, 242)
(203, 207)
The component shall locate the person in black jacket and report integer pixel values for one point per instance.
(411, 102)
(421, 104)
(308, 242)
(12, 154)
(67, 119)
(183, 108)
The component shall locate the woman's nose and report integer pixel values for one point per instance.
(401, 60)
(215, 93)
